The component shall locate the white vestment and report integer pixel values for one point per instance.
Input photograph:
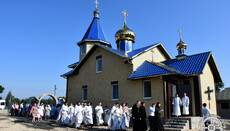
(176, 102)
(185, 103)
(63, 115)
(114, 122)
(123, 118)
(99, 111)
(78, 112)
(88, 118)
(127, 116)
(107, 115)
(71, 115)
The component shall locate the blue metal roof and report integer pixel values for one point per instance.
(67, 73)
(113, 50)
(95, 31)
(137, 51)
(74, 63)
(148, 69)
(193, 64)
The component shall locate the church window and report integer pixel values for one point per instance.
(98, 64)
(224, 105)
(84, 98)
(147, 89)
(115, 90)
(83, 49)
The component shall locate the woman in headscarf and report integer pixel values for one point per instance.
(47, 112)
(34, 112)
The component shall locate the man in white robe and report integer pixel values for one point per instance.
(185, 103)
(107, 115)
(88, 118)
(123, 116)
(115, 118)
(176, 103)
(99, 112)
(78, 114)
(64, 114)
(129, 110)
(71, 114)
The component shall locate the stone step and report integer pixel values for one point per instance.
(170, 123)
(174, 126)
(172, 129)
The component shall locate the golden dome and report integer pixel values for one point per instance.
(125, 34)
(181, 45)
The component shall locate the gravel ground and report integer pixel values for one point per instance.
(13, 123)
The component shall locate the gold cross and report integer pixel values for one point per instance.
(125, 14)
(96, 3)
(180, 33)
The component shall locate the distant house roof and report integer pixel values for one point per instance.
(192, 65)
(224, 94)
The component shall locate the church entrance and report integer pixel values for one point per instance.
(171, 92)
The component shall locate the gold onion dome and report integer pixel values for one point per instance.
(125, 34)
(181, 45)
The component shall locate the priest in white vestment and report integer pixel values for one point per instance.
(185, 103)
(114, 122)
(64, 115)
(99, 112)
(176, 103)
(129, 110)
(107, 115)
(88, 118)
(78, 114)
(71, 114)
(123, 116)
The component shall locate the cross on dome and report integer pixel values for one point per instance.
(125, 15)
(96, 3)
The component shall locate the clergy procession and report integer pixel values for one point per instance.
(118, 118)
(177, 103)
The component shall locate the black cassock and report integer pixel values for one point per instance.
(143, 118)
(159, 125)
(136, 118)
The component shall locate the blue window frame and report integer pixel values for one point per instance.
(83, 49)
(98, 64)
(115, 91)
(84, 98)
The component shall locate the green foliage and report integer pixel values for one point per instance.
(9, 97)
(1, 88)
(24, 101)
(48, 101)
(16, 100)
(0, 97)
(219, 86)
(62, 97)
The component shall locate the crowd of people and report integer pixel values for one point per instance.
(26, 110)
(118, 118)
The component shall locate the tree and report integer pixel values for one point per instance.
(1, 90)
(16, 100)
(9, 97)
(219, 86)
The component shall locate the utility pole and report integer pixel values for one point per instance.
(55, 88)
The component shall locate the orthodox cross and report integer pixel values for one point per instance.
(208, 92)
(180, 33)
(125, 15)
(96, 3)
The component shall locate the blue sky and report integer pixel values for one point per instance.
(38, 37)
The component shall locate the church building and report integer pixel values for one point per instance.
(149, 74)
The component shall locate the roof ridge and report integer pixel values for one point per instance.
(147, 46)
(164, 66)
